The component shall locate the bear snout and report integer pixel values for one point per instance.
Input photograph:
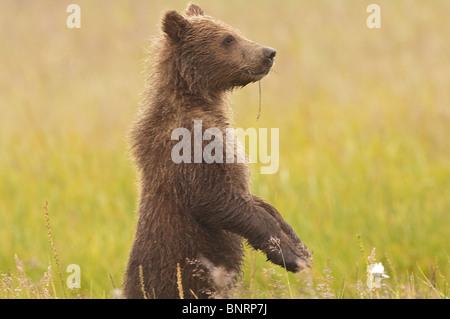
(269, 53)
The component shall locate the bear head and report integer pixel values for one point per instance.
(211, 55)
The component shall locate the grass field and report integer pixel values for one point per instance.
(364, 119)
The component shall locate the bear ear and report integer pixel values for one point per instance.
(193, 10)
(174, 25)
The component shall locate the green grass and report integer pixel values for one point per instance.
(364, 142)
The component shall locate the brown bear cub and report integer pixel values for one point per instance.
(193, 216)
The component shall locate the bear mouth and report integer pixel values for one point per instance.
(262, 69)
(258, 73)
(252, 75)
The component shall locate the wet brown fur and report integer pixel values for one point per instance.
(194, 212)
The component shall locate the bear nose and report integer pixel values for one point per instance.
(269, 53)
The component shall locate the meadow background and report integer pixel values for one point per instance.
(364, 119)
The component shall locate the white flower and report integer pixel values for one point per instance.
(375, 272)
(376, 268)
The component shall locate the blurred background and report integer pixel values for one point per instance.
(364, 119)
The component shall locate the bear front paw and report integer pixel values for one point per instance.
(293, 257)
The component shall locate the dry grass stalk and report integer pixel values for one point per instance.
(6, 285)
(276, 245)
(48, 282)
(179, 284)
(141, 280)
(55, 254)
(21, 276)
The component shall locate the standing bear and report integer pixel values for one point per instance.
(194, 215)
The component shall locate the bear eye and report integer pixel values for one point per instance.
(228, 40)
